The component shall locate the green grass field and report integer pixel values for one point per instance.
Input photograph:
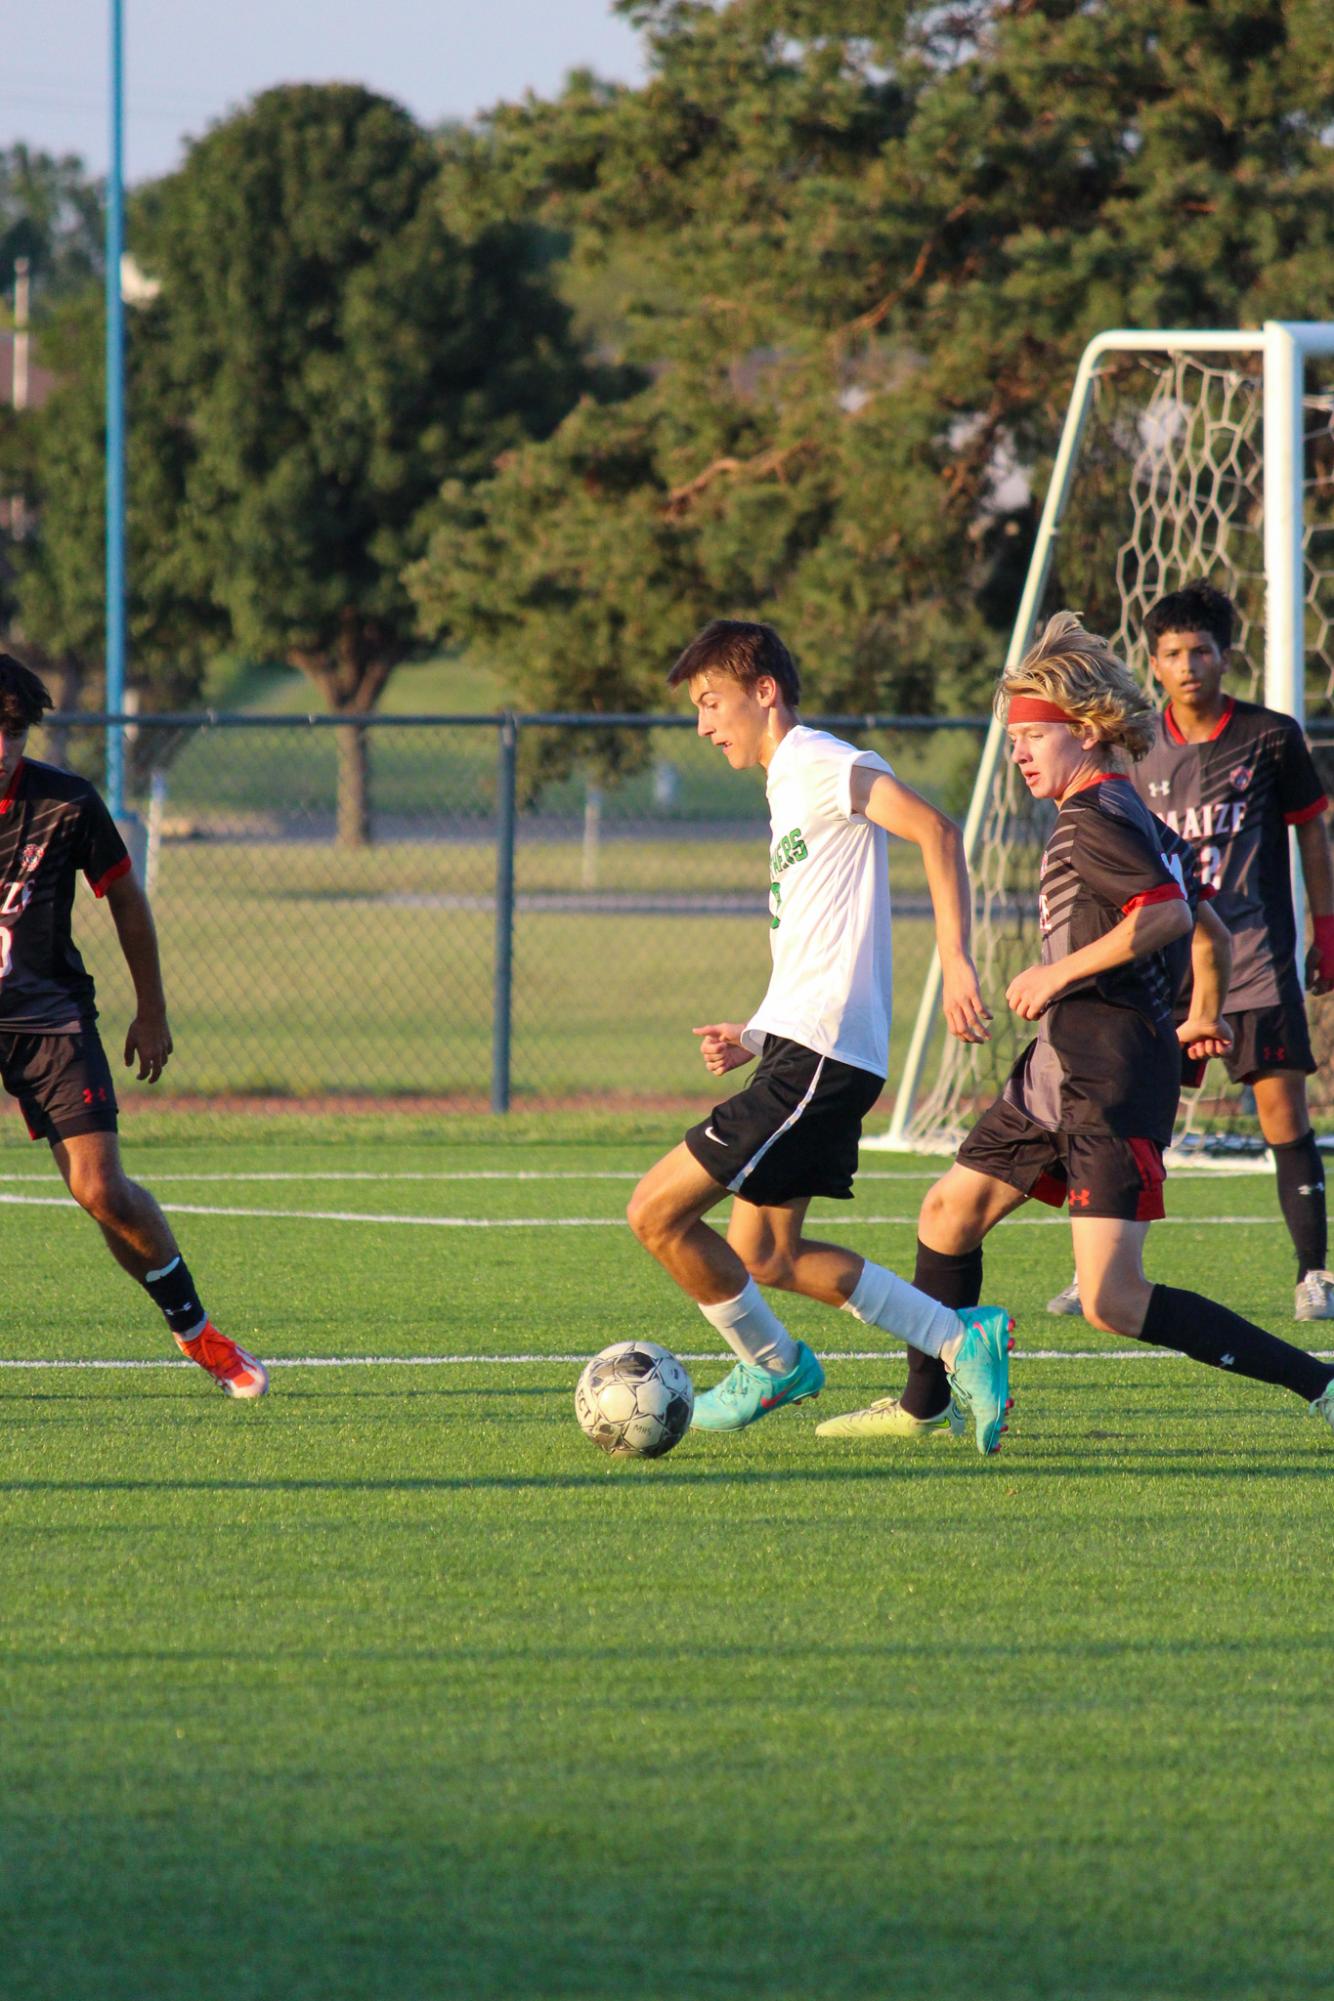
(393, 1686)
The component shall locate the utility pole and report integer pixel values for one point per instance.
(115, 423)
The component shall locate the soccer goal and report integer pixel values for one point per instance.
(1185, 456)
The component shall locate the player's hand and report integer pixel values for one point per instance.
(1032, 992)
(1320, 958)
(148, 1042)
(721, 1046)
(1202, 1036)
(965, 1010)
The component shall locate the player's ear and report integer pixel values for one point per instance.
(766, 691)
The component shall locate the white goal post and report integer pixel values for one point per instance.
(1208, 471)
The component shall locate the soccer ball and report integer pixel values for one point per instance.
(635, 1400)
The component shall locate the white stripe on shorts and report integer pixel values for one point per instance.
(787, 1125)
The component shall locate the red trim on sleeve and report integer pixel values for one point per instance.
(113, 874)
(1207, 892)
(8, 799)
(1305, 813)
(1169, 723)
(1166, 892)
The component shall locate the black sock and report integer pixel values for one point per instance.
(1221, 1339)
(1301, 1197)
(956, 1282)
(172, 1290)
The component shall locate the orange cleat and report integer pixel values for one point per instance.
(236, 1373)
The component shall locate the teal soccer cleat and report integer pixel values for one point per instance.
(980, 1373)
(749, 1393)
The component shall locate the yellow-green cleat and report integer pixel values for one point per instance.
(886, 1418)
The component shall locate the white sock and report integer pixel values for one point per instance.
(882, 1299)
(753, 1331)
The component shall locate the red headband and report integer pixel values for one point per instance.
(1032, 709)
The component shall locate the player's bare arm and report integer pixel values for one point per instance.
(148, 1039)
(903, 812)
(1204, 1032)
(722, 1048)
(1318, 876)
(1150, 928)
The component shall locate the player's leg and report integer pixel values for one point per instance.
(65, 1089)
(957, 1214)
(1285, 1121)
(1004, 1160)
(666, 1213)
(1119, 1299)
(771, 1242)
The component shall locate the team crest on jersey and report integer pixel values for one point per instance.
(30, 858)
(1240, 778)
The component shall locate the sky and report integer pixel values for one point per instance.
(188, 62)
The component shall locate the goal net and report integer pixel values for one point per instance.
(1185, 457)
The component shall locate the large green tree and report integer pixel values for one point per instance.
(340, 352)
(858, 247)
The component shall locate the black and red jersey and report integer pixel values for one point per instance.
(1106, 1057)
(1233, 798)
(53, 826)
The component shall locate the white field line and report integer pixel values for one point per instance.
(577, 1361)
(537, 1222)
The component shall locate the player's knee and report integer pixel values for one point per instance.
(945, 1223)
(1113, 1306)
(108, 1197)
(649, 1217)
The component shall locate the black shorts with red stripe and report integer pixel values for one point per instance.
(1095, 1172)
(62, 1082)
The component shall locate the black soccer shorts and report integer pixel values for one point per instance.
(62, 1082)
(1095, 1172)
(794, 1129)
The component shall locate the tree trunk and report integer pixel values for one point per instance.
(351, 673)
(354, 786)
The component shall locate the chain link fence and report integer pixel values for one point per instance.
(542, 908)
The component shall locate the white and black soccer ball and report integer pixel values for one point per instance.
(635, 1400)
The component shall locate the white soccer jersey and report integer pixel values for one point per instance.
(828, 907)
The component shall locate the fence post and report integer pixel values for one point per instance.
(506, 788)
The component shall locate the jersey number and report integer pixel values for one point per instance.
(1211, 866)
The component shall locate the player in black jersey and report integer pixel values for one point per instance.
(1089, 1105)
(54, 827)
(1231, 778)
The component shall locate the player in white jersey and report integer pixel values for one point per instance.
(822, 1036)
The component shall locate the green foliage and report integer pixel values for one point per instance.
(858, 250)
(343, 353)
(50, 213)
(60, 572)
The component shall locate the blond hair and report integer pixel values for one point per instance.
(1080, 673)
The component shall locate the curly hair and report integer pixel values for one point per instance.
(1079, 671)
(1197, 608)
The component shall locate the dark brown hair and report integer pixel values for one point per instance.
(23, 698)
(740, 651)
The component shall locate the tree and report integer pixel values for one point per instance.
(862, 245)
(342, 353)
(50, 213)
